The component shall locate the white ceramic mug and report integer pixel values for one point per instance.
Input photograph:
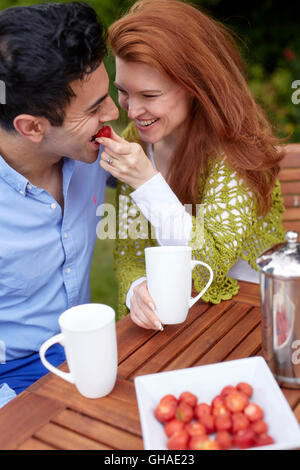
(89, 338)
(169, 279)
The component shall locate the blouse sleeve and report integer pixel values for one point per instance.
(159, 204)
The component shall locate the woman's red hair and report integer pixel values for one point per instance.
(200, 55)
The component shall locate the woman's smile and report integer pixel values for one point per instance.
(145, 124)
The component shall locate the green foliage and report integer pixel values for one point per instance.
(107, 10)
(103, 282)
(269, 40)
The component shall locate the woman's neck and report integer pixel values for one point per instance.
(163, 152)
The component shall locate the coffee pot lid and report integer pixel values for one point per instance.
(283, 259)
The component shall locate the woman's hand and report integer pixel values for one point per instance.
(142, 308)
(126, 161)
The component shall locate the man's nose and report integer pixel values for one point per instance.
(111, 112)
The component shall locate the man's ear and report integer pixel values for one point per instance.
(31, 127)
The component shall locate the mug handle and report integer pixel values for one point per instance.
(193, 300)
(46, 345)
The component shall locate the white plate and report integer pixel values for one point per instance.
(206, 382)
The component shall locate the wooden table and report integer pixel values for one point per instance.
(51, 414)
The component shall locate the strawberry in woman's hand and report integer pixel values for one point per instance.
(105, 131)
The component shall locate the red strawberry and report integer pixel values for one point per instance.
(105, 131)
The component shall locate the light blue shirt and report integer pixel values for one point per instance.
(6, 394)
(45, 255)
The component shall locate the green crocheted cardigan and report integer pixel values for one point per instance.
(231, 229)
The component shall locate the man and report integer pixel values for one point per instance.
(56, 99)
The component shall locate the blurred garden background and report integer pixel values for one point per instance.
(268, 35)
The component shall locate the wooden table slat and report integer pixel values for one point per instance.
(106, 409)
(123, 390)
(297, 411)
(191, 354)
(35, 444)
(125, 332)
(248, 347)
(22, 416)
(141, 359)
(249, 293)
(236, 334)
(292, 396)
(63, 438)
(97, 430)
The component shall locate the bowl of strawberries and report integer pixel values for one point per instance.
(224, 406)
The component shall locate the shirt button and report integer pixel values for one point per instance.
(65, 235)
(22, 192)
(53, 205)
(68, 270)
(29, 186)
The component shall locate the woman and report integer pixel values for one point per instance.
(197, 137)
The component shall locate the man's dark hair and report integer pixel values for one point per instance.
(42, 49)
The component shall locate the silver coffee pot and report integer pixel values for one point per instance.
(280, 301)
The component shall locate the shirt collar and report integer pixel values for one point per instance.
(20, 183)
(12, 177)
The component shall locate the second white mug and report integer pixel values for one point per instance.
(169, 280)
(89, 338)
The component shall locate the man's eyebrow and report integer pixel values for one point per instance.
(97, 102)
